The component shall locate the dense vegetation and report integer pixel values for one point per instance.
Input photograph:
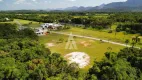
(88, 19)
(130, 28)
(129, 22)
(127, 17)
(68, 18)
(65, 18)
(22, 57)
(125, 65)
(6, 18)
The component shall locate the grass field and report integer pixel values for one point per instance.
(26, 23)
(34, 24)
(95, 50)
(7, 22)
(116, 37)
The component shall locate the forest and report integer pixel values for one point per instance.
(88, 19)
(22, 57)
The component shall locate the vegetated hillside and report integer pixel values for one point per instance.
(129, 5)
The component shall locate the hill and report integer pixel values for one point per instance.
(129, 5)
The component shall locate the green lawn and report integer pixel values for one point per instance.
(95, 50)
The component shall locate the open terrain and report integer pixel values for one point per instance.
(102, 34)
(26, 23)
(95, 49)
(86, 46)
(87, 41)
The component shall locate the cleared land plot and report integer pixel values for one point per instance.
(95, 49)
(81, 58)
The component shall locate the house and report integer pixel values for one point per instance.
(51, 26)
(46, 27)
(40, 31)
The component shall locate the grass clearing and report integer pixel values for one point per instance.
(26, 23)
(116, 37)
(8, 22)
(33, 24)
(95, 49)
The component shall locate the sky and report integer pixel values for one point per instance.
(49, 4)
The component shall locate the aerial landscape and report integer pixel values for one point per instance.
(70, 39)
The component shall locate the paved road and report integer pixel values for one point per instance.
(97, 39)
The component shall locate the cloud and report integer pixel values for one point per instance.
(34, 0)
(48, 1)
(19, 1)
(1, 0)
(72, 0)
(25, 1)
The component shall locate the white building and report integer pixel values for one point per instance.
(40, 31)
(46, 27)
(7, 19)
(51, 26)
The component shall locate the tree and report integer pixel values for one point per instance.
(125, 33)
(127, 41)
(135, 40)
(22, 57)
(118, 66)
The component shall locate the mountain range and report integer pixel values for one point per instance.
(129, 5)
